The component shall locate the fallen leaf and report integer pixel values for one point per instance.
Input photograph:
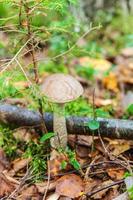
(99, 64)
(29, 193)
(4, 164)
(70, 186)
(112, 193)
(103, 102)
(102, 193)
(26, 135)
(6, 186)
(125, 72)
(56, 163)
(91, 184)
(118, 147)
(82, 151)
(21, 84)
(64, 198)
(19, 164)
(116, 173)
(42, 186)
(110, 82)
(84, 140)
(123, 196)
(53, 196)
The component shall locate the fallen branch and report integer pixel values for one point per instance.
(112, 128)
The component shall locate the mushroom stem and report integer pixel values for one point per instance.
(59, 127)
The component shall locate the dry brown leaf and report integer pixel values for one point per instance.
(26, 135)
(6, 186)
(19, 164)
(70, 186)
(123, 196)
(125, 71)
(29, 193)
(43, 186)
(103, 102)
(84, 140)
(99, 64)
(4, 164)
(82, 151)
(91, 184)
(110, 82)
(21, 84)
(102, 193)
(99, 146)
(53, 196)
(56, 161)
(64, 198)
(112, 193)
(116, 173)
(119, 146)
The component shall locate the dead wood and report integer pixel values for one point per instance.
(112, 128)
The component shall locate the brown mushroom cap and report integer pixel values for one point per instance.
(61, 88)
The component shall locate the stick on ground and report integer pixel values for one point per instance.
(112, 128)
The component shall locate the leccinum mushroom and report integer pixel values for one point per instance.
(60, 89)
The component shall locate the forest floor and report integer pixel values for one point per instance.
(92, 167)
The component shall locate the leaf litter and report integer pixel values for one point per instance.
(103, 161)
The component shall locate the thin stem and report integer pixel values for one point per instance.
(31, 44)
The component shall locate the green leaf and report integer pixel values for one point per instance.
(127, 174)
(130, 109)
(75, 163)
(46, 136)
(93, 124)
(63, 164)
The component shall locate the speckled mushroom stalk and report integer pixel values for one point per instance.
(59, 127)
(60, 89)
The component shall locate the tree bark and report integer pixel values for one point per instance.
(87, 10)
(112, 128)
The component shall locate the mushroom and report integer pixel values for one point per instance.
(60, 89)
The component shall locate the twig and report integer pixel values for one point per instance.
(74, 45)
(31, 46)
(23, 71)
(13, 59)
(23, 180)
(89, 194)
(20, 13)
(89, 168)
(48, 183)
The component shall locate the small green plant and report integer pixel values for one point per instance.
(8, 142)
(127, 174)
(130, 192)
(130, 110)
(86, 72)
(63, 164)
(72, 159)
(46, 137)
(38, 155)
(7, 88)
(93, 124)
